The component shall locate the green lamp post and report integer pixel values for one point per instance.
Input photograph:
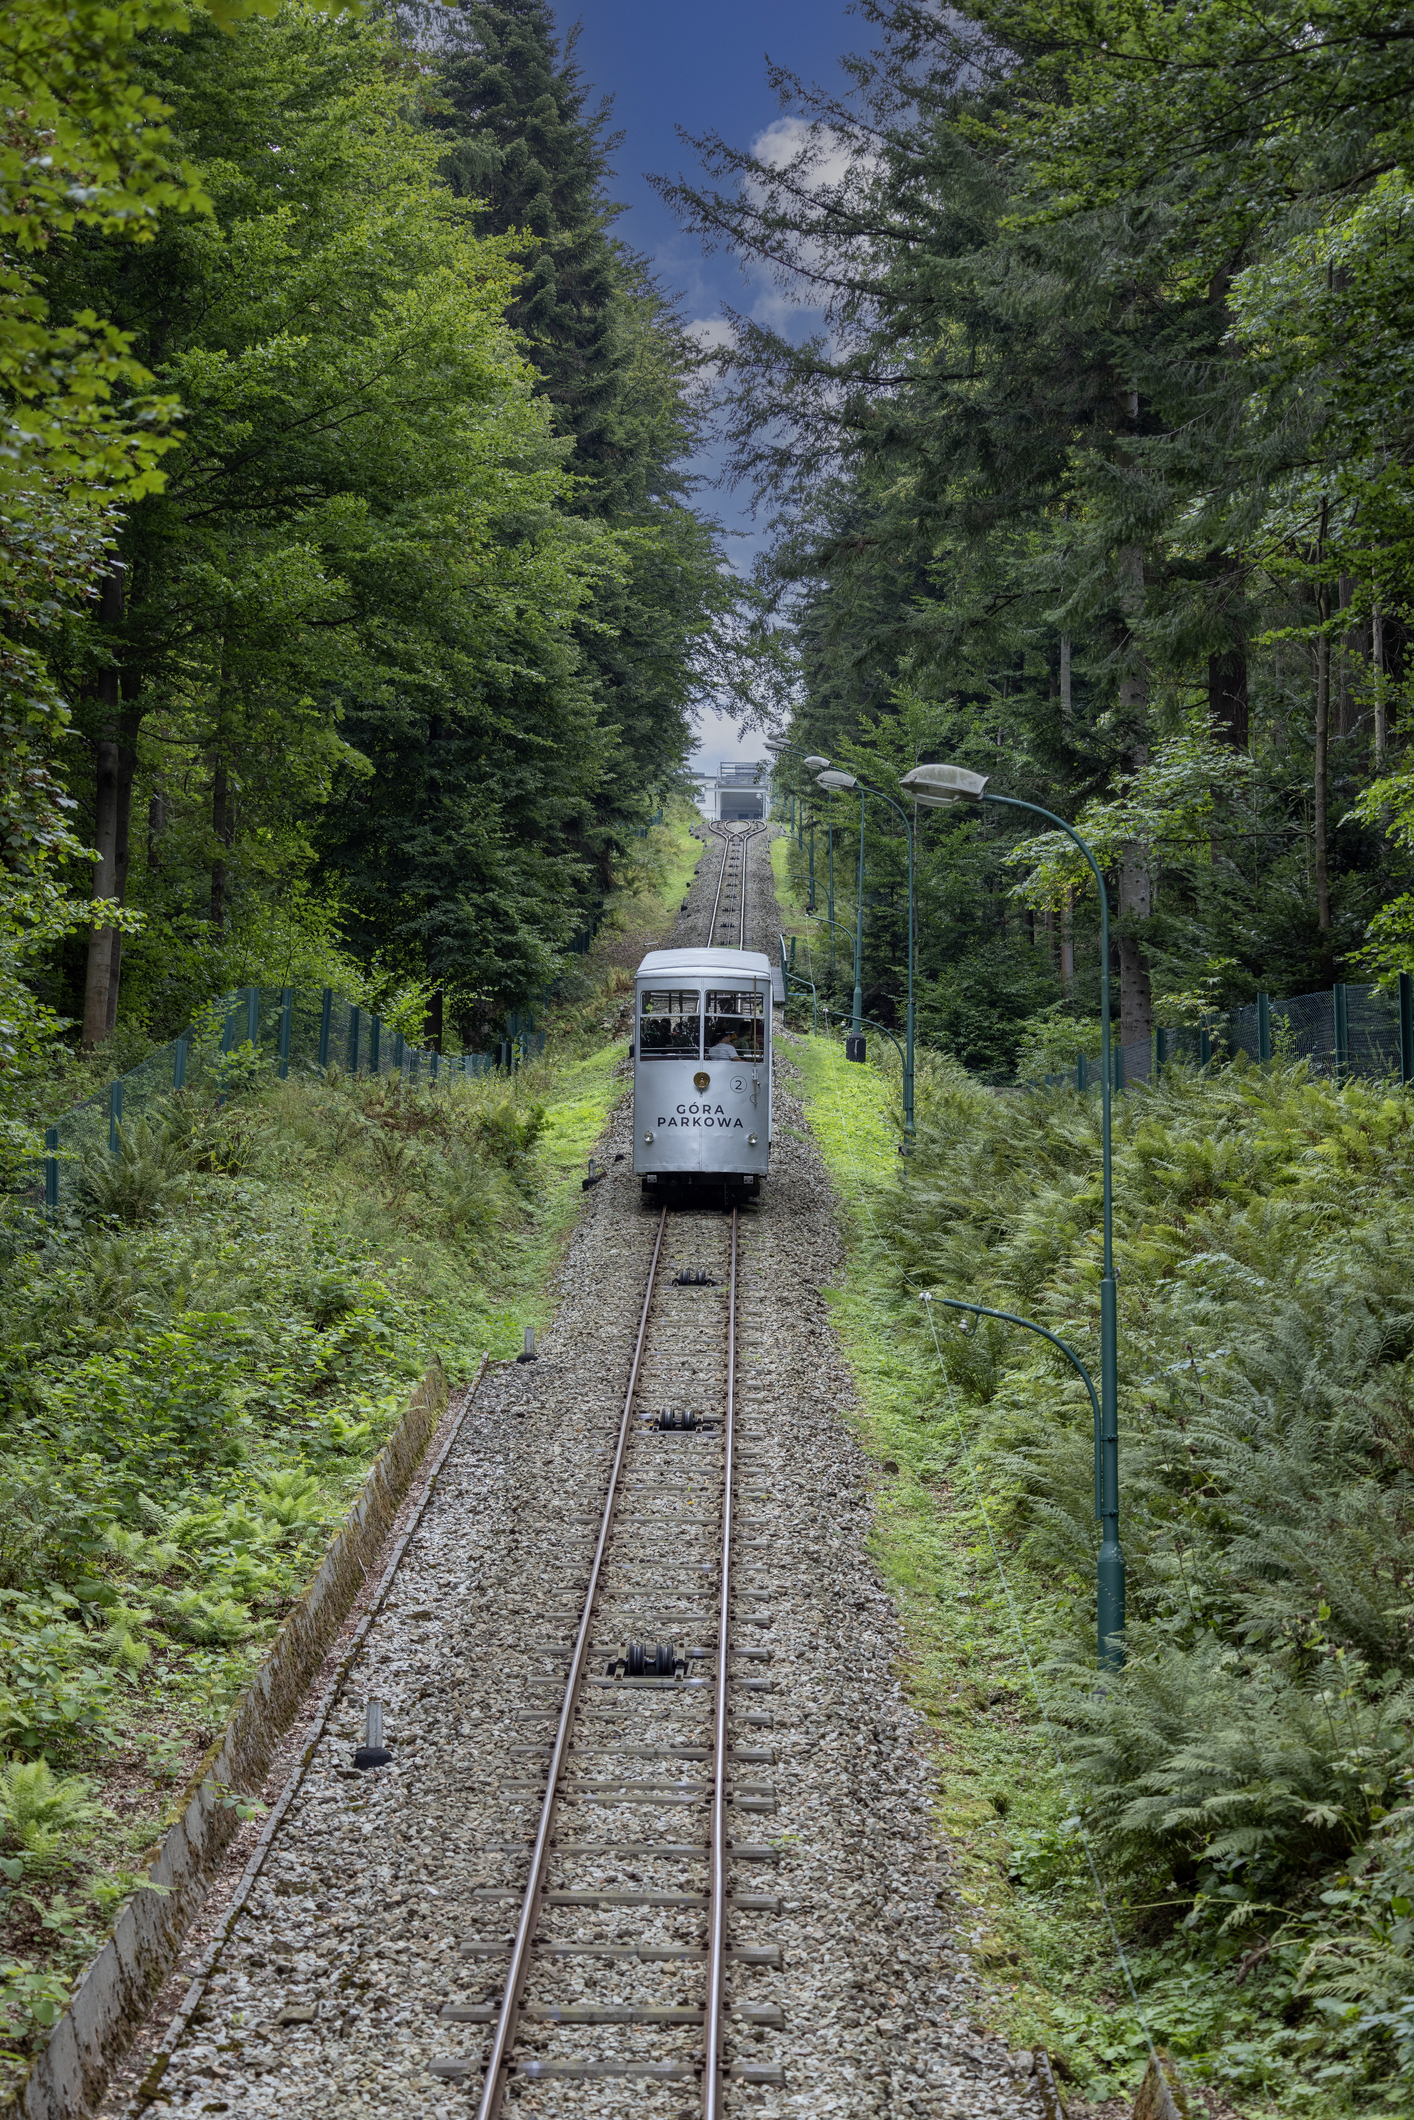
(941, 786)
(848, 780)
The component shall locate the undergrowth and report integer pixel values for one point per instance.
(1246, 1787)
(198, 1363)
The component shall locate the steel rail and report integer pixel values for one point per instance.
(721, 879)
(712, 2069)
(494, 2088)
(741, 909)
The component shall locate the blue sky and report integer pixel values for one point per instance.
(703, 69)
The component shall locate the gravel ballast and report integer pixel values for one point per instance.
(375, 1931)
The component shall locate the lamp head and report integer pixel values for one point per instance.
(776, 743)
(939, 785)
(814, 765)
(836, 780)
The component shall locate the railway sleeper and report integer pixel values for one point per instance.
(767, 1954)
(743, 1902)
(458, 2068)
(762, 2013)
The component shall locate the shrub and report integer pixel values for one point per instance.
(134, 1184)
(40, 1809)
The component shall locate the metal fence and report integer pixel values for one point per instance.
(1345, 1032)
(243, 1038)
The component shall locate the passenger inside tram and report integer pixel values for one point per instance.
(669, 1024)
(735, 1026)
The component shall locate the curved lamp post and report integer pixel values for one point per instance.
(842, 781)
(782, 747)
(848, 780)
(939, 787)
(1010, 1317)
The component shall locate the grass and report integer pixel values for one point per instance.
(996, 1776)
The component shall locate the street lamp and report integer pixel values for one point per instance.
(939, 787)
(781, 747)
(848, 780)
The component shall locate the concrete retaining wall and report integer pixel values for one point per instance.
(115, 1991)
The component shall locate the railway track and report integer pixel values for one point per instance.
(654, 1840)
(729, 903)
(668, 1727)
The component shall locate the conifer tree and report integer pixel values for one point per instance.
(523, 139)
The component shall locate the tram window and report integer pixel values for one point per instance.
(670, 1024)
(736, 1026)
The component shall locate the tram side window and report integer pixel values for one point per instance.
(736, 1026)
(670, 1025)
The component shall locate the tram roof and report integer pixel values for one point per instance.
(705, 964)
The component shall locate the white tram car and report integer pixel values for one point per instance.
(702, 1069)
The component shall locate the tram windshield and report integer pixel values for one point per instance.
(670, 1024)
(736, 1026)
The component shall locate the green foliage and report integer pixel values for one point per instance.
(136, 1183)
(40, 1809)
(1243, 1766)
(1094, 476)
(1243, 1784)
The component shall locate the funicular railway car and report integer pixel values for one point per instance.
(702, 1069)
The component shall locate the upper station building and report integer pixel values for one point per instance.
(737, 792)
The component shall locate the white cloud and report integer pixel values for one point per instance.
(828, 163)
(711, 332)
(831, 158)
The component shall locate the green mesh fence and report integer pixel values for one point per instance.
(1345, 1032)
(244, 1037)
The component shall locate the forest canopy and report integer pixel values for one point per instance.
(1088, 457)
(355, 596)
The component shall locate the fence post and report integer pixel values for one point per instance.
(399, 1048)
(1406, 1028)
(287, 1016)
(436, 1064)
(51, 1170)
(1161, 1049)
(355, 1024)
(179, 1064)
(1081, 1078)
(115, 1114)
(1342, 1031)
(1205, 1046)
(375, 1034)
(1264, 1028)
(252, 1014)
(326, 1016)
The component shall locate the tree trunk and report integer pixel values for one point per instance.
(156, 827)
(1227, 698)
(1353, 649)
(1136, 902)
(1322, 767)
(432, 1027)
(127, 772)
(101, 939)
(1377, 658)
(222, 826)
(1136, 1006)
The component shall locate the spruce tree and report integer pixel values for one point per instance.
(617, 367)
(522, 140)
